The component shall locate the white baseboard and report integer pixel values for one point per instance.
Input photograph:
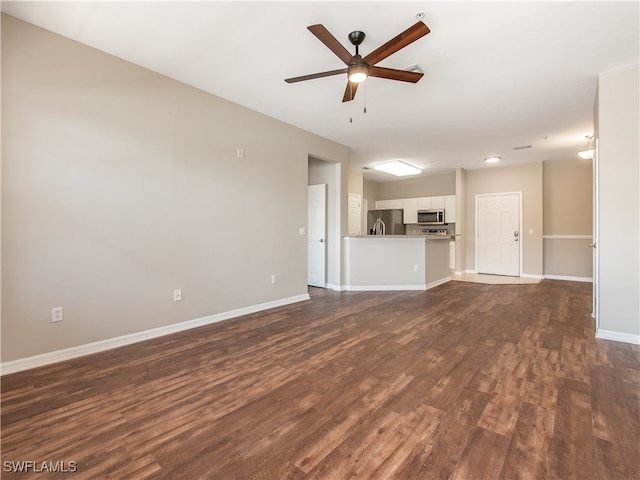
(531, 275)
(394, 288)
(382, 288)
(438, 282)
(569, 278)
(102, 345)
(618, 336)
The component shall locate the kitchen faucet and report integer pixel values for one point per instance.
(379, 227)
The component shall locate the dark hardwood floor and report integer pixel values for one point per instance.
(464, 381)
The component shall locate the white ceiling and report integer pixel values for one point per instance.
(497, 74)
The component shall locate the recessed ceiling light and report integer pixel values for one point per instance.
(492, 159)
(397, 168)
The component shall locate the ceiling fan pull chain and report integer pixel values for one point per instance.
(351, 106)
(365, 97)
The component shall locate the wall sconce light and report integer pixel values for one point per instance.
(588, 151)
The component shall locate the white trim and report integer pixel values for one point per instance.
(532, 275)
(438, 282)
(335, 288)
(382, 288)
(393, 288)
(569, 278)
(49, 358)
(569, 237)
(470, 272)
(618, 336)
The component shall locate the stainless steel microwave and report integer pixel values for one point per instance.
(431, 217)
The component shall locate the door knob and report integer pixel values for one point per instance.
(516, 233)
(321, 240)
(592, 245)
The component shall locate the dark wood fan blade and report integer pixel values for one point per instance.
(350, 91)
(410, 35)
(330, 41)
(316, 75)
(393, 74)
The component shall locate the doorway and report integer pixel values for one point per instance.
(498, 239)
(317, 235)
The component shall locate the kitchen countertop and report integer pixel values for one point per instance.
(426, 237)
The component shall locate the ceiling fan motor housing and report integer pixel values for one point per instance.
(356, 38)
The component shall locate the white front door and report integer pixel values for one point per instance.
(498, 234)
(317, 235)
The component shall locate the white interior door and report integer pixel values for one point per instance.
(498, 234)
(317, 235)
(355, 214)
(596, 234)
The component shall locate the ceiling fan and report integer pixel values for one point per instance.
(359, 68)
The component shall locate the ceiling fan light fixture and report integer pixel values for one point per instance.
(398, 168)
(358, 73)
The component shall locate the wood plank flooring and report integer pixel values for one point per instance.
(464, 381)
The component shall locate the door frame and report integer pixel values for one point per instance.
(521, 249)
(595, 293)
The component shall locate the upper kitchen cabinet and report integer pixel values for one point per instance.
(450, 208)
(410, 210)
(437, 203)
(396, 203)
(424, 203)
(382, 204)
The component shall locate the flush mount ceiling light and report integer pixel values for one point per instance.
(492, 159)
(588, 151)
(398, 168)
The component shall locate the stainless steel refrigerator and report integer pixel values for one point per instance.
(392, 220)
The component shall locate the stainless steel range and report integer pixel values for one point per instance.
(434, 231)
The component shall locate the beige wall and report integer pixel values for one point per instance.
(427, 186)
(120, 185)
(568, 213)
(522, 178)
(371, 192)
(355, 182)
(618, 132)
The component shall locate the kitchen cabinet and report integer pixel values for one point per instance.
(424, 203)
(412, 205)
(410, 210)
(450, 208)
(437, 203)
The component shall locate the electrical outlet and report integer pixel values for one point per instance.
(177, 295)
(274, 279)
(302, 231)
(240, 153)
(416, 268)
(57, 314)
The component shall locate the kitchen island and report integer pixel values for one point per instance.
(395, 262)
